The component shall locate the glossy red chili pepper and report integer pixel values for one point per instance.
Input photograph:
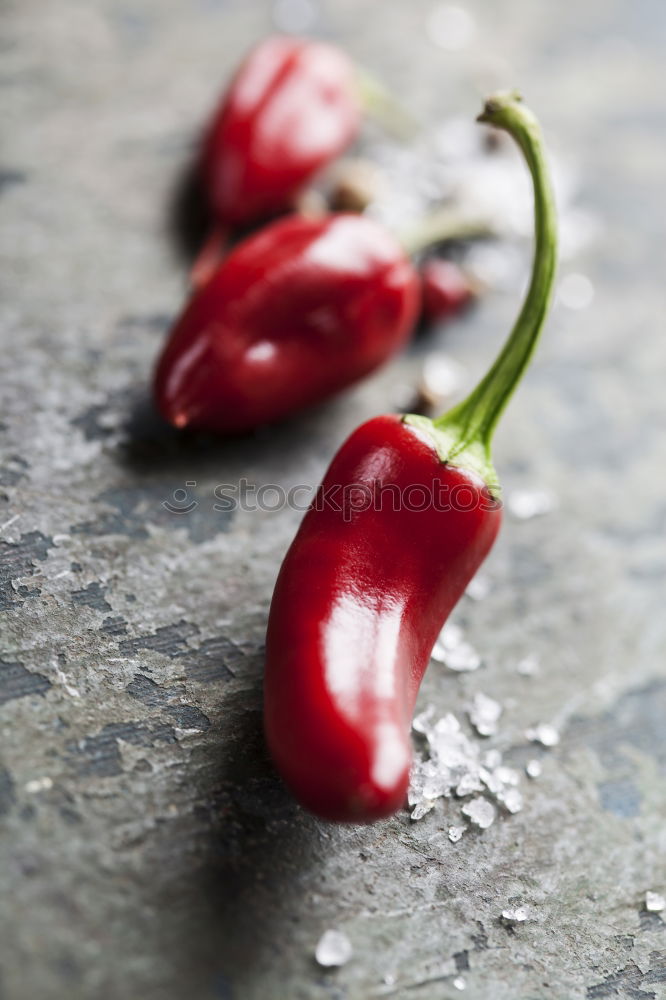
(446, 290)
(294, 314)
(372, 574)
(290, 109)
(380, 560)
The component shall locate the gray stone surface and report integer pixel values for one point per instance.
(148, 849)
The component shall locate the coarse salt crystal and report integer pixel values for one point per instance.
(421, 809)
(469, 783)
(526, 504)
(39, 785)
(454, 651)
(478, 587)
(480, 812)
(463, 658)
(507, 775)
(492, 759)
(484, 714)
(517, 915)
(543, 733)
(512, 800)
(441, 377)
(421, 722)
(654, 902)
(450, 636)
(528, 666)
(334, 949)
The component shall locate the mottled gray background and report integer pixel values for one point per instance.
(148, 849)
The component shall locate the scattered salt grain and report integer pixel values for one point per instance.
(453, 650)
(480, 812)
(459, 983)
(491, 781)
(492, 759)
(450, 637)
(484, 714)
(543, 733)
(421, 722)
(533, 768)
(518, 915)
(427, 783)
(507, 775)
(526, 504)
(468, 784)
(478, 587)
(528, 666)
(441, 377)
(334, 949)
(502, 784)
(452, 763)
(39, 785)
(511, 799)
(450, 748)
(654, 902)
(186, 734)
(421, 809)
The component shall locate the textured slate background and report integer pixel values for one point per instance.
(148, 849)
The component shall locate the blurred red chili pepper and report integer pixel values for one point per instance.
(294, 314)
(446, 290)
(379, 562)
(291, 108)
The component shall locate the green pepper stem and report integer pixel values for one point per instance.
(472, 423)
(443, 225)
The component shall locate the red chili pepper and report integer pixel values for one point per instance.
(378, 563)
(446, 290)
(291, 108)
(361, 598)
(294, 314)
